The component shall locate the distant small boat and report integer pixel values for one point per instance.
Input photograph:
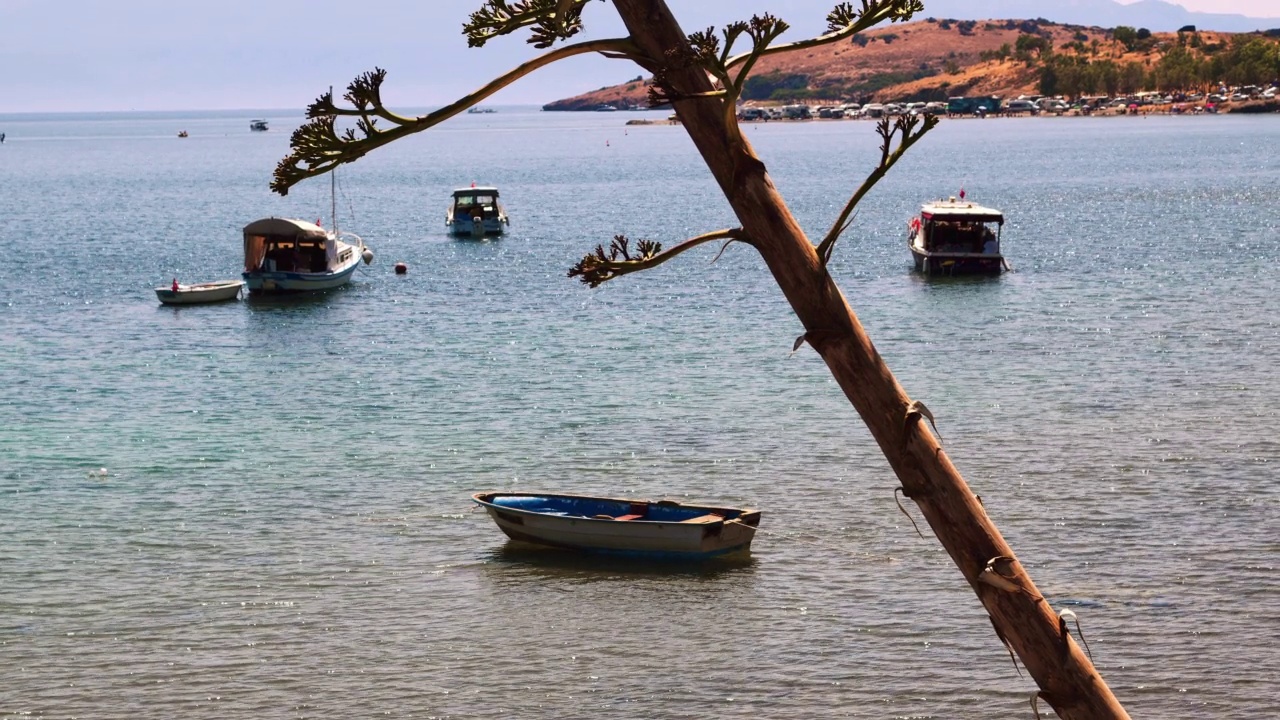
(481, 111)
(953, 237)
(182, 133)
(259, 125)
(618, 526)
(209, 292)
(606, 108)
(476, 212)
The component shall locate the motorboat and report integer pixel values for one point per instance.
(955, 237)
(620, 526)
(258, 125)
(287, 255)
(208, 292)
(476, 212)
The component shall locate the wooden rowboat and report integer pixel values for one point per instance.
(620, 526)
(200, 292)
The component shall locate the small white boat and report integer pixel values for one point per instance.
(209, 292)
(476, 212)
(619, 526)
(953, 237)
(258, 125)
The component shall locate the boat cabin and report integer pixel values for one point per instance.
(473, 202)
(296, 246)
(953, 238)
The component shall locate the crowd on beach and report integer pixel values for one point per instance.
(1253, 97)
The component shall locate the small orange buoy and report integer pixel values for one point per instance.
(401, 268)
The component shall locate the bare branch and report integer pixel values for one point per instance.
(317, 146)
(551, 20)
(906, 127)
(843, 22)
(602, 266)
(763, 30)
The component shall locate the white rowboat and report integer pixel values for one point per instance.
(209, 292)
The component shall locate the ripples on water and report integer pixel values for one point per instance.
(284, 527)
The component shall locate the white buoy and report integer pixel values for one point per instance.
(367, 256)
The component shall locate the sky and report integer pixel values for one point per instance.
(91, 55)
(1252, 8)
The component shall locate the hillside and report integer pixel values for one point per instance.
(933, 59)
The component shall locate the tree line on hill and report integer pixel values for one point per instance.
(1086, 65)
(1186, 63)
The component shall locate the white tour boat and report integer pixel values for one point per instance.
(953, 237)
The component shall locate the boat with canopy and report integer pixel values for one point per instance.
(955, 237)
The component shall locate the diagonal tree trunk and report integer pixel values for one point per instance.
(1021, 616)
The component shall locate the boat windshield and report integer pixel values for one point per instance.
(477, 199)
(963, 236)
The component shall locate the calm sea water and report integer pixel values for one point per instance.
(283, 527)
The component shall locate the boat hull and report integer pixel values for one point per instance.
(957, 264)
(200, 293)
(492, 226)
(657, 530)
(263, 282)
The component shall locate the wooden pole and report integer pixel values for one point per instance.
(1067, 679)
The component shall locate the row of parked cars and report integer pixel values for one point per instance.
(1031, 104)
(849, 110)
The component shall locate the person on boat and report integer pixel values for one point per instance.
(990, 245)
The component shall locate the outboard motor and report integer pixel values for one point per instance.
(477, 227)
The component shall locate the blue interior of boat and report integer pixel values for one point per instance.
(591, 507)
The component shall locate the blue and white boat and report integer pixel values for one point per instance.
(620, 526)
(285, 255)
(476, 212)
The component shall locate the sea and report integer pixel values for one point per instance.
(262, 508)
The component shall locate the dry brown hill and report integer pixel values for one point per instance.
(923, 60)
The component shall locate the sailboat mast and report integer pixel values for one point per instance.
(333, 200)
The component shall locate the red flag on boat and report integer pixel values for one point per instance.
(961, 193)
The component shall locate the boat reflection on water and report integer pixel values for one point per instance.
(524, 560)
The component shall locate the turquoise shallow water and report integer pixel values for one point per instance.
(284, 527)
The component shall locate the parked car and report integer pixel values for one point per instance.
(1022, 106)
